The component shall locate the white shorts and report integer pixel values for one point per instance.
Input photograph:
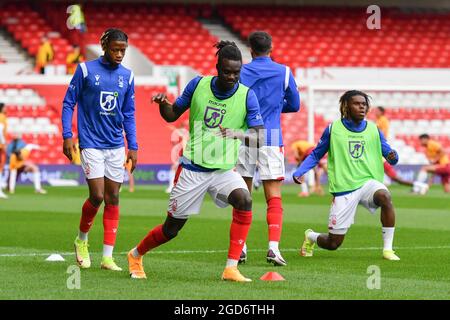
(99, 163)
(343, 208)
(190, 188)
(269, 159)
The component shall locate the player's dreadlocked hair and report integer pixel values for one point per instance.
(344, 101)
(228, 50)
(112, 34)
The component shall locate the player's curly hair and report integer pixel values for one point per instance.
(344, 101)
(112, 34)
(228, 50)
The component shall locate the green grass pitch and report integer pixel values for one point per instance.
(189, 267)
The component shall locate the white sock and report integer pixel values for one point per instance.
(135, 253)
(312, 236)
(245, 247)
(304, 187)
(274, 246)
(422, 176)
(107, 250)
(12, 180)
(232, 263)
(37, 180)
(388, 237)
(83, 236)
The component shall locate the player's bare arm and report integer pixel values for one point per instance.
(166, 109)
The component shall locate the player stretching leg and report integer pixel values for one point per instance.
(439, 162)
(355, 170)
(277, 93)
(104, 92)
(215, 103)
(382, 123)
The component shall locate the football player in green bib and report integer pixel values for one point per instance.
(355, 149)
(221, 111)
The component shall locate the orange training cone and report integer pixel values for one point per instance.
(272, 276)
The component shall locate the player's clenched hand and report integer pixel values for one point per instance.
(391, 156)
(68, 147)
(160, 98)
(299, 180)
(132, 155)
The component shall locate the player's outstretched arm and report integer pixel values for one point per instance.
(166, 109)
(313, 159)
(298, 180)
(254, 137)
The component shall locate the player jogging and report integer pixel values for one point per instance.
(208, 160)
(355, 172)
(104, 92)
(277, 92)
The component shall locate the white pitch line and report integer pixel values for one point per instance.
(5, 255)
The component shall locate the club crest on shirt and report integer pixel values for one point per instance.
(356, 148)
(108, 100)
(213, 117)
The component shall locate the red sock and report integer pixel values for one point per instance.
(110, 224)
(274, 218)
(238, 232)
(152, 240)
(88, 213)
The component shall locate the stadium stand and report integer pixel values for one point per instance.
(314, 37)
(303, 37)
(166, 34)
(27, 27)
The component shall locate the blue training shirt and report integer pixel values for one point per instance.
(277, 93)
(183, 103)
(105, 98)
(324, 145)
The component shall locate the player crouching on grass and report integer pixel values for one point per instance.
(355, 172)
(208, 160)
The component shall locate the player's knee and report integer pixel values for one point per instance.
(96, 199)
(383, 198)
(170, 231)
(334, 245)
(112, 198)
(244, 202)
